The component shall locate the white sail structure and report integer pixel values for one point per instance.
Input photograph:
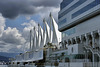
(37, 46)
(33, 37)
(40, 38)
(47, 31)
(43, 37)
(30, 40)
(51, 32)
(56, 34)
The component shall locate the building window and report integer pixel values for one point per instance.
(62, 22)
(71, 8)
(65, 3)
(68, 32)
(86, 8)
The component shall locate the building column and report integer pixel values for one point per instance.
(80, 39)
(76, 40)
(99, 42)
(99, 37)
(71, 41)
(93, 40)
(86, 40)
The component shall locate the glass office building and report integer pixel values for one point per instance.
(74, 13)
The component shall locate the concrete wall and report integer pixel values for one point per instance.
(3, 66)
(76, 64)
(80, 16)
(89, 25)
(73, 49)
(77, 49)
(86, 27)
(63, 64)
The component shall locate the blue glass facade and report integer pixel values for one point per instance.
(65, 3)
(62, 22)
(68, 32)
(71, 8)
(86, 8)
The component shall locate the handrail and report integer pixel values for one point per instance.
(92, 50)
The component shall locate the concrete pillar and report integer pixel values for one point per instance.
(80, 39)
(93, 59)
(76, 40)
(71, 41)
(86, 39)
(99, 42)
(99, 37)
(93, 40)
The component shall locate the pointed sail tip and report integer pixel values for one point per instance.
(30, 30)
(34, 28)
(38, 24)
(50, 14)
(44, 20)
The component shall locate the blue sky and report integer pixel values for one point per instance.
(20, 20)
(17, 17)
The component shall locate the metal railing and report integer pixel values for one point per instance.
(68, 64)
(95, 51)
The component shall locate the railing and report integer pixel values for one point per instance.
(79, 64)
(79, 60)
(29, 56)
(68, 64)
(95, 51)
(90, 64)
(55, 50)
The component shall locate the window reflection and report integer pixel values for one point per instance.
(86, 8)
(62, 22)
(68, 32)
(71, 8)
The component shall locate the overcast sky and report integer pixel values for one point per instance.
(17, 17)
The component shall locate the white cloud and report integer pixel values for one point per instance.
(12, 35)
(14, 41)
(45, 11)
(28, 26)
(19, 46)
(7, 47)
(11, 40)
(26, 33)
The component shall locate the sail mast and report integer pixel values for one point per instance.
(30, 38)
